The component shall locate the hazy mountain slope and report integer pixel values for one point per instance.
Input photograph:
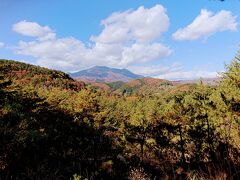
(208, 81)
(105, 74)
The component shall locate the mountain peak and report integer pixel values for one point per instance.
(100, 67)
(105, 74)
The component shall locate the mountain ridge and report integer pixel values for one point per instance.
(105, 74)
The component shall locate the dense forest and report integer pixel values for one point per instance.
(53, 127)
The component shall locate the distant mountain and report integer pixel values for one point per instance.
(105, 74)
(208, 81)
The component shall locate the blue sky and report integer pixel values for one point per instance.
(169, 39)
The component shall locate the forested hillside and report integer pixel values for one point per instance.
(52, 127)
(144, 86)
(23, 74)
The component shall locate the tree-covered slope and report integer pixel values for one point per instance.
(144, 86)
(24, 74)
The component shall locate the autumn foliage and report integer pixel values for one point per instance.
(53, 127)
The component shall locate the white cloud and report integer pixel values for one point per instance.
(141, 25)
(155, 70)
(70, 54)
(144, 53)
(206, 24)
(65, 54)
(2, 44)
(178, 75)
(33, 29)
(128, 38)
(173, 72)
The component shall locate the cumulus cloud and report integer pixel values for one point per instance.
(144, 53)
(33, 29)
(128, 38)
(2, 44)
(65, 53)
(206, 24)
(141, 25)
